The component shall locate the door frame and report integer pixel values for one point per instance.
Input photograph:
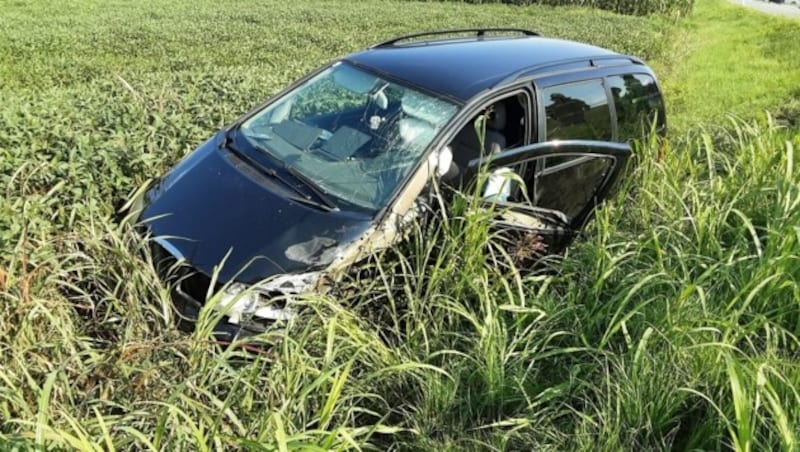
(618, 152)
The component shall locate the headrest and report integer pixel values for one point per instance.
(497, 117)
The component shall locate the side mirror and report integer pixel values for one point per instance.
(441, 161)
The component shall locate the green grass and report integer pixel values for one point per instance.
(100, 96)
(672, 324)
(732, 61)
(635, 7)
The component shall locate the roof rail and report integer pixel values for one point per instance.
(596, 60)
(479, 32)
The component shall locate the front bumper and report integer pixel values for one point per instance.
(189, 291)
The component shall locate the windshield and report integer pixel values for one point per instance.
(355, 135)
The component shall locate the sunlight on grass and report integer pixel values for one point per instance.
(730, 60)
(673, 322)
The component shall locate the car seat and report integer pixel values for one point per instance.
(467, 145)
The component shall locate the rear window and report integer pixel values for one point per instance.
(638, 103)
(577, 111)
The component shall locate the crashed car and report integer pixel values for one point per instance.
(330, 170)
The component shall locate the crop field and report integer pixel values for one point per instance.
(673, 323)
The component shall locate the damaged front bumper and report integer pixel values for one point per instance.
(242, 310)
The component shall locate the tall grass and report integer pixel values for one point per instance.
(672, 324)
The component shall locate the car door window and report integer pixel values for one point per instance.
(571, 185)
(502, 124)
(571, 188)
(556, 200)
(577, 111)
(638, 104)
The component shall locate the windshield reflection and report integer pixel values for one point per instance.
(353, 134)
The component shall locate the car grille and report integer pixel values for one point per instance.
(184, 279)
(190, 289)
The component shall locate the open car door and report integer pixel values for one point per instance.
(544, 193)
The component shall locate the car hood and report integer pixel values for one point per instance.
(215, 209)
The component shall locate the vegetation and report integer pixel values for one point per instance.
(732, 63)
(672, 324)
(95, 113)
(633, 7)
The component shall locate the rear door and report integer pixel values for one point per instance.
(556, 187)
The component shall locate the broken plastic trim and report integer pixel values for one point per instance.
(169, 248)
(269, 300)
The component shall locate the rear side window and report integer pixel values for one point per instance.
(577, 111)
(571, 184)
(638, 103)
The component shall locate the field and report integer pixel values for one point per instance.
(724, 73)
(672, 324)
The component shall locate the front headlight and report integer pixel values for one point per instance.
(269, 300)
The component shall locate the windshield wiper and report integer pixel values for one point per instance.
(326, 203)
(311, 185)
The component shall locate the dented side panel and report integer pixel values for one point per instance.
(385, 233)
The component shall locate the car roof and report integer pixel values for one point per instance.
(461, 68)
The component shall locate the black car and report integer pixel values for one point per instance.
(284, 200)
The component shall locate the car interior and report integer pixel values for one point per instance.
(506, 121)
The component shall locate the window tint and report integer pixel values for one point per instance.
(577, 111)
(638, 103)
(571, 185)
